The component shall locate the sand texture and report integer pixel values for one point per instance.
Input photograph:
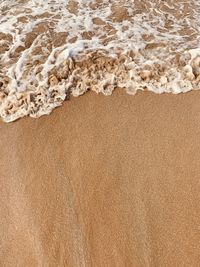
(104, 181)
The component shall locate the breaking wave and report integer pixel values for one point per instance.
(52, 49)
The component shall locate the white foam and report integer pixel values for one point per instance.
(101, 26)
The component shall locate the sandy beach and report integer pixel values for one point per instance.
(107, 179)
(103, 181)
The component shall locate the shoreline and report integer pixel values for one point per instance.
(55, 48)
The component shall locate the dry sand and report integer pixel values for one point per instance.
(103, 181)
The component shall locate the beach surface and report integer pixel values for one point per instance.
(103, 181)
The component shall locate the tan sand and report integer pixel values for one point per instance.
(103, 181)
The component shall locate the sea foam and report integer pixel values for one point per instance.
(52, 49)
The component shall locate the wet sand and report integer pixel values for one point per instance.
(103, 181)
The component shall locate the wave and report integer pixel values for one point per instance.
(50, 50)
